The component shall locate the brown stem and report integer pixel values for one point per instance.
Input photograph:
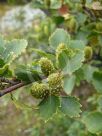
(88, 11)
(15, 85)
(11, 89)
(3, 79)
(63, 93)
(19, 85)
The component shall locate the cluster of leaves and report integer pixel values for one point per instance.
(53, 78)
(9, 50)
(73, 54)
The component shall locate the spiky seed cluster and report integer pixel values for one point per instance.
(55, 83)
(88, 52)
(70, 52)
(39, 90)
(60, 48)
(46, 65)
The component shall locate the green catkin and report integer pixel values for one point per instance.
(39, 90)
(88, 52)
(62, 47)
(46, 65)
(99, 26)
(55, 83)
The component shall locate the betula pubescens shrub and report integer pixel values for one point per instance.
(75, 52)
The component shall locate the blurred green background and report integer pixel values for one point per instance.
(15, 121)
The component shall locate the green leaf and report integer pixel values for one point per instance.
(81, 35)
(59, 36)
(69, 83)
(76, 128)
(93, 122)
(20, 105)
(63, 59)
(55, 4)
(58, 19)
(100, 40)
(26, 74)
(81, 18)
(70, 65)
(2, 63)
(2, 45)
(97, 81)
(48, 107)
(88, 72)
(99, 101)
(14, 47)
(79, 76)
(77, 44)
(37, 4)
(42, 53)
(70, 106)
(5, 71)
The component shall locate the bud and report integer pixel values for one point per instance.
(94, 41)
(60, 48)
(46, 30)
(99, 26)
(47, 66)
(55, 83)
(37, 28)
(71, 24)
(39, 90)
(47, 3)
(70, 52)
(88, 52)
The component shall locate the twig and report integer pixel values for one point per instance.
(97, 65)
(3, 79)
(97, 57)
(16, 85)
(11, 89)
(88, 11)
(63, 93)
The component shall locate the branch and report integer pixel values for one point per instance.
(11, 89)
(16, 84)
(3, 79)
(88, 12)
(97, 65)
(19, 85)
(97, 57)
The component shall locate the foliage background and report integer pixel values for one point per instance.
(15, 121)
